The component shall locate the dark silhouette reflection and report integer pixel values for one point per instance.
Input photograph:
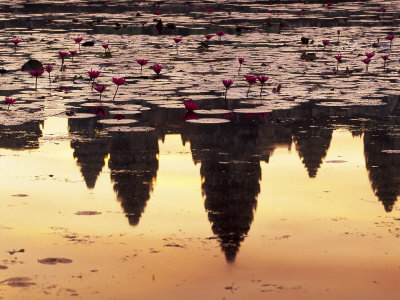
(134, 165)
(90, 149)
(312, 143)
(230, 169)
(20, 137)
(383, 168)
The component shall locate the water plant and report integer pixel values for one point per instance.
(10, 101)
(48, 69)
(338, 61)
(73, 53)
(36, 74)
(100, 88)
(93, 75)
(369, 54)
(62, 54)
(390, 37)
(106, 47)
(190, 105)
(227, 83)
(78, 41)
(262, 79)
(325, 43)
(366, 61)
(220, 34)
(118, 82)
(16, 42)
(241, 61)
(177, 41)
(250, 80)
(142, 62)
(385, 58)
(157, 69)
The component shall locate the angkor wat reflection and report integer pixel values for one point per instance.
(230, 155)
(20, 137)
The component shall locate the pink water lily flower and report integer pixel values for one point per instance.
(36, 74)
(390, 37)
(106, 47)
(190, 105)
(366, 61)
(62, 54)
(16, 42)
(177, 40)
(385, 58)
(157, 69)
(78, 41)
(118, 82)
(251, 80)
(241, 61)
(100, 89)
(48, 69)
(339, 60)
(73, 53)
(208, 36)
(325, 43)
(10, 101)
(220, 34)
(93, 75)
(142, 62)
(227, 83)
(369, 54)
(262, 79)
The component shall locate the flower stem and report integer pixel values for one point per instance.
(116, 92)
(36, 83)
(248, 90)
(226, 92)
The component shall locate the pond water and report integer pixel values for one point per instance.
(255, 194)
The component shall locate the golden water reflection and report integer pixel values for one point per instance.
(193, 222)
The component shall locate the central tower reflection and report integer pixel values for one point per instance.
(230, 157)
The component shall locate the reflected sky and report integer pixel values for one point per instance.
(200, 210)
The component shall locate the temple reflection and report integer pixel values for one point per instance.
(134, 164)
(230, 159)
(20, 137)
(383, 168)
(230, 156)
(312, 144)
(90, 149)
